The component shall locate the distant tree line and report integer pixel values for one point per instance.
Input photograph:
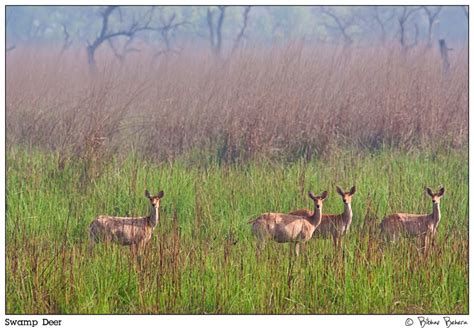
(225, 29)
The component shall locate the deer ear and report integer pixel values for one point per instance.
(353, 190)
(339, 191)
(429, 191)
(324, 195)
(311, 195)
(147, 193)
(160, 194)
(441, 191)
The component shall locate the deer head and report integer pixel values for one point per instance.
(155, 205)
(435, 197)
(318, 200)
(346, 196)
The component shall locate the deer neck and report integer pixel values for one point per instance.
(154, 217)
(316, 217)
(347, 214)
(436, 215)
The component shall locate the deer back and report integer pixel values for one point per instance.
(330, 225)
(282, 227)
(123, 230)
(411, 224)
(302, 212)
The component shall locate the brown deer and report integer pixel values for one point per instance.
(333, 225)
(284, 228)
(132, 231)
(423, 226)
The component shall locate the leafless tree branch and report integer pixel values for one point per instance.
(431, 14)
(382, 22)
(215, 30)
(240, 35)
(403, 17)
(67, 42)
(341, 25)
(138, 25)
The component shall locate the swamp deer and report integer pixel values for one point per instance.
(333, 225)
(423, 226)
(132, 231)
(284, 228)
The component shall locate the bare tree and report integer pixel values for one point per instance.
(126, 48)
(431, 13)
(444, 49)
(106, 34)
(168, 25)
(343, 25)
(215, 30)
(67, 41)
(240, 35)
(382, 21)
(403, 17)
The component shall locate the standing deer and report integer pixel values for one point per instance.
(133, 231)
(335, 225)
(284, 228)
(415, 225)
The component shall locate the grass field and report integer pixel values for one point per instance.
(202, 256)
(229, 139)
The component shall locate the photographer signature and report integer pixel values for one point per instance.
(446, 321)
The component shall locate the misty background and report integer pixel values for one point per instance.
(167, 30)
(242, 82)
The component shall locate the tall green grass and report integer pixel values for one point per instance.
(202, 257)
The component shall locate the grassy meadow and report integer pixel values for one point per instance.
(227, 141)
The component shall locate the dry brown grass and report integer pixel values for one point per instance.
(294, 101)
(289, 102)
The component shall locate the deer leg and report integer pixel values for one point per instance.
(141, 247)
(430, 242)
(341, 247)
(259, 247)
(92, 242)
(334, 240)
(382, 240)
(141, 252)
(305, 253)
(433, 235)
(133, 249)
(426, 244)
(297, 248)
(91, 247)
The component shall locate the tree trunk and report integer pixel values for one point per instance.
(91, 59)
(443, 49)
(430, 33)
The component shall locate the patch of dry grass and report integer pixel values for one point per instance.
(294, 101)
